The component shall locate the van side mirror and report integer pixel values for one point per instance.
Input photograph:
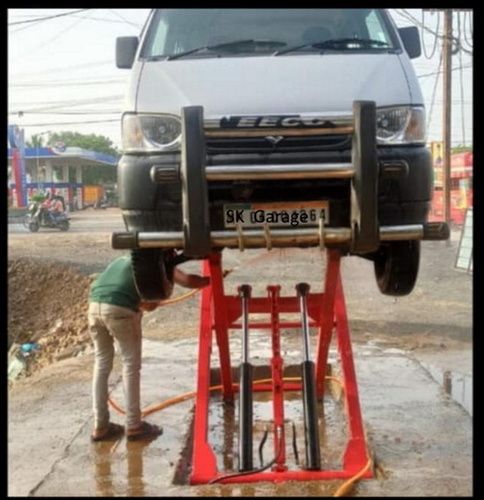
(411, 41)
(126, 47)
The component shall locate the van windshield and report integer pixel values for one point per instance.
(188, 33)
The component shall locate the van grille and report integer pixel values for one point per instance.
(228, 145)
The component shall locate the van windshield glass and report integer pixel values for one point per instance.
(192, 33)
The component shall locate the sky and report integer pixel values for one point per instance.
(62, 73)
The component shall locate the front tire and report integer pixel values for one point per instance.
(153, 273)
(396, 267)
(33, 226)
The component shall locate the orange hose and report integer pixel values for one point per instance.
(347, 485)
(187, 395)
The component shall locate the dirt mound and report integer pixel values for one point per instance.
(47, 303)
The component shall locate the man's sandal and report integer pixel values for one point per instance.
(111, 431)
(144, 431)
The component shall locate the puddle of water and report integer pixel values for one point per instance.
(456, 385)
(223, 431)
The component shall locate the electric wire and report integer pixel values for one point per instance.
(253, 471)
(461, 86)
(415, 21)
(436, 39)
(434, 91)
(465, 66)
(82, 113)
(88, 122)
(469, 43)
(23, 28)
(56, 36)
(124, 19)
(47, 17)
(63, 68)
(68, 83)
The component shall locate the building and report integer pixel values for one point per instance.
(57, 170)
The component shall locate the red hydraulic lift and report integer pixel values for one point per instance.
(220, 313)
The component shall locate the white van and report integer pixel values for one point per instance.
(258, 128)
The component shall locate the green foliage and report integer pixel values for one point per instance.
(92, 142)
(461, 149)
(36, 141)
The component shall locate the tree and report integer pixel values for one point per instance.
(36, 141)
(462, 149)
(92, 142)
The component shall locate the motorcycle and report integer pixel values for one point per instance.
(39, 216)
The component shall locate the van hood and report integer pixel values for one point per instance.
(272, 85)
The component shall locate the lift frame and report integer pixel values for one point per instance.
(219, 313)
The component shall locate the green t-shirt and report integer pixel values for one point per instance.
(115, 285)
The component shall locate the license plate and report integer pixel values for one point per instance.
(280, 214)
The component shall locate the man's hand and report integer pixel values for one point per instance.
(148, 306)
(190, 280)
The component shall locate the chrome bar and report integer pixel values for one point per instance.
(286, 132)
(293, 171)
(257, 238)
(213, 122)
(244, 294)
(302, 291)
(396, 233)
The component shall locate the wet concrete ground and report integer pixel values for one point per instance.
(420, 437)
(413, 364)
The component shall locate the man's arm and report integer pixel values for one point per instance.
(190, 280)
(182, 279)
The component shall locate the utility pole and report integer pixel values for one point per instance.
(447, 126)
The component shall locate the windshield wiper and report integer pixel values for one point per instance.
(335, 43)
(227, 45)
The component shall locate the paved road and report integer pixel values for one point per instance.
(90, 221)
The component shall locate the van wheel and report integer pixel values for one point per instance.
(153, 273)
(396, 267)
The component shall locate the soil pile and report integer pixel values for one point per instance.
(47, 304)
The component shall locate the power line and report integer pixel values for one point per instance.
(466, 66)
(435, 36)
(415, 21)
(69, 104)
(469, 43)
(57, 35)
(124, 19)
(93, 112)
(47, 17)
(73, 67)
(461, 84)
(67, 123)
(68, 83)
(23, 28)
(435, 89)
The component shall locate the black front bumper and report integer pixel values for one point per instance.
(405, 187)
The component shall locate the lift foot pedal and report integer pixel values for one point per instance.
(310, 403)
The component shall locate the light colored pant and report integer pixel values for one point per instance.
(108, 323)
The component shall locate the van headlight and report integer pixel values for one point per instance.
(400, 125)
(150, 133)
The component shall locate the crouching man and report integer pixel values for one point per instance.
(115, 312)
